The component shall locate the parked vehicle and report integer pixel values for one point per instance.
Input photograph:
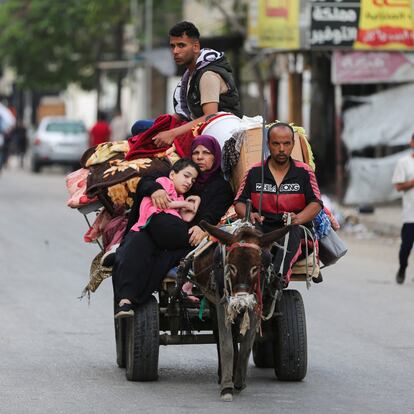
(59, 140)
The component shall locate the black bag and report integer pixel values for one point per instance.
(331, 248)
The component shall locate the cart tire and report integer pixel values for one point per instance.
(263, 350)
(120, 342)
(263, 354)
(290, 344)
(143, 343)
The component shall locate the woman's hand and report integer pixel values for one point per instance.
(188, 206)
(196, 235)
(195, 201)
(160, 199)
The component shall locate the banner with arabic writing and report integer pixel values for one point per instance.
(274, 24)
(334, 24)
(385, 25)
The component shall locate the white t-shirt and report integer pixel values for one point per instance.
(404, 171)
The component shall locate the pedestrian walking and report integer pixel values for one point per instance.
(403, 180)
(18, 138)
(101, 131)
(4, 148)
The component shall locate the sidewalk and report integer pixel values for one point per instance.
(385, 220)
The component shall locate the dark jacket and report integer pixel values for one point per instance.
(298, 188)
(216, 197)
(229, 101)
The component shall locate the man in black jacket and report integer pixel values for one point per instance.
(206, 87)
(289, 186)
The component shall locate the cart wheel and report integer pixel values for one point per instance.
(143, 343)
(120, 342)
(263, 350)
(290, 344)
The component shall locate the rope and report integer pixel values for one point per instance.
(273, 306)
(309, 234)
(262, 157)
(285, 244)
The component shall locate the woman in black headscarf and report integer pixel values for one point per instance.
(140, 264)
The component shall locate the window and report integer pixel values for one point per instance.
(66, 127)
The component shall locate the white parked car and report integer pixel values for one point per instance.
(59, 140)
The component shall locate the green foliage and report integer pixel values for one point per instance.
(166, 14)
(51, 43)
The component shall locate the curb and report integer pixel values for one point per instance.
(380, 228)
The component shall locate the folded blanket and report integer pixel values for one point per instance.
(103, 152)
(114, 181)
(98, 226)
(76, 185)
(142, 145)
(112, 172)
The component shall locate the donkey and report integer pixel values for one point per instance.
(237, 263)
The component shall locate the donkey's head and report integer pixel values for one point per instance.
(245, 255)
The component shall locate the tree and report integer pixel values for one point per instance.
(53, 43)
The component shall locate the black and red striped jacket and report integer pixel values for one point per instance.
(298, 188)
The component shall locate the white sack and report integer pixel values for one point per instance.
(385, 119)
(370, 179)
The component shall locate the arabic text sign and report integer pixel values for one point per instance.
(274, 24)
(372, 67)
(334, 24)
(385, 24)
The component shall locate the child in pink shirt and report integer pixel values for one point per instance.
(168, 227)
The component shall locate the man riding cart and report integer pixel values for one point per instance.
(285, 191)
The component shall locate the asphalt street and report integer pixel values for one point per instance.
(58, 353)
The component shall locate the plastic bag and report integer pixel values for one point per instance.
(331, 248)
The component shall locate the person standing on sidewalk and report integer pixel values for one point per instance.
(403, 180)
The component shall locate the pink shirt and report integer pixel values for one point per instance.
(147, 209)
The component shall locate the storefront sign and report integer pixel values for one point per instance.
(385, 24)
(372, 67)
(274, 24)
(334, 23)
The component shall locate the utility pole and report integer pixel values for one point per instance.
(148, 50)
(339, 170)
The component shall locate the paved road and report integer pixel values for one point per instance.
(58, 354)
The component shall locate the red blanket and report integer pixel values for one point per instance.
(142, 145)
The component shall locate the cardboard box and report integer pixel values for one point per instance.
(251, 153)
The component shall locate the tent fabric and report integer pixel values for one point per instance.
(370, 179)
(386, 118)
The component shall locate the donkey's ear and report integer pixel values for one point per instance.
(221, 235)
(267, 239)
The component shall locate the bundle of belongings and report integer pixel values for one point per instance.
(111, 172)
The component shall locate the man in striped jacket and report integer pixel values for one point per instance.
(289, 186)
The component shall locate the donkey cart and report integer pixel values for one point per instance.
(174, 320)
